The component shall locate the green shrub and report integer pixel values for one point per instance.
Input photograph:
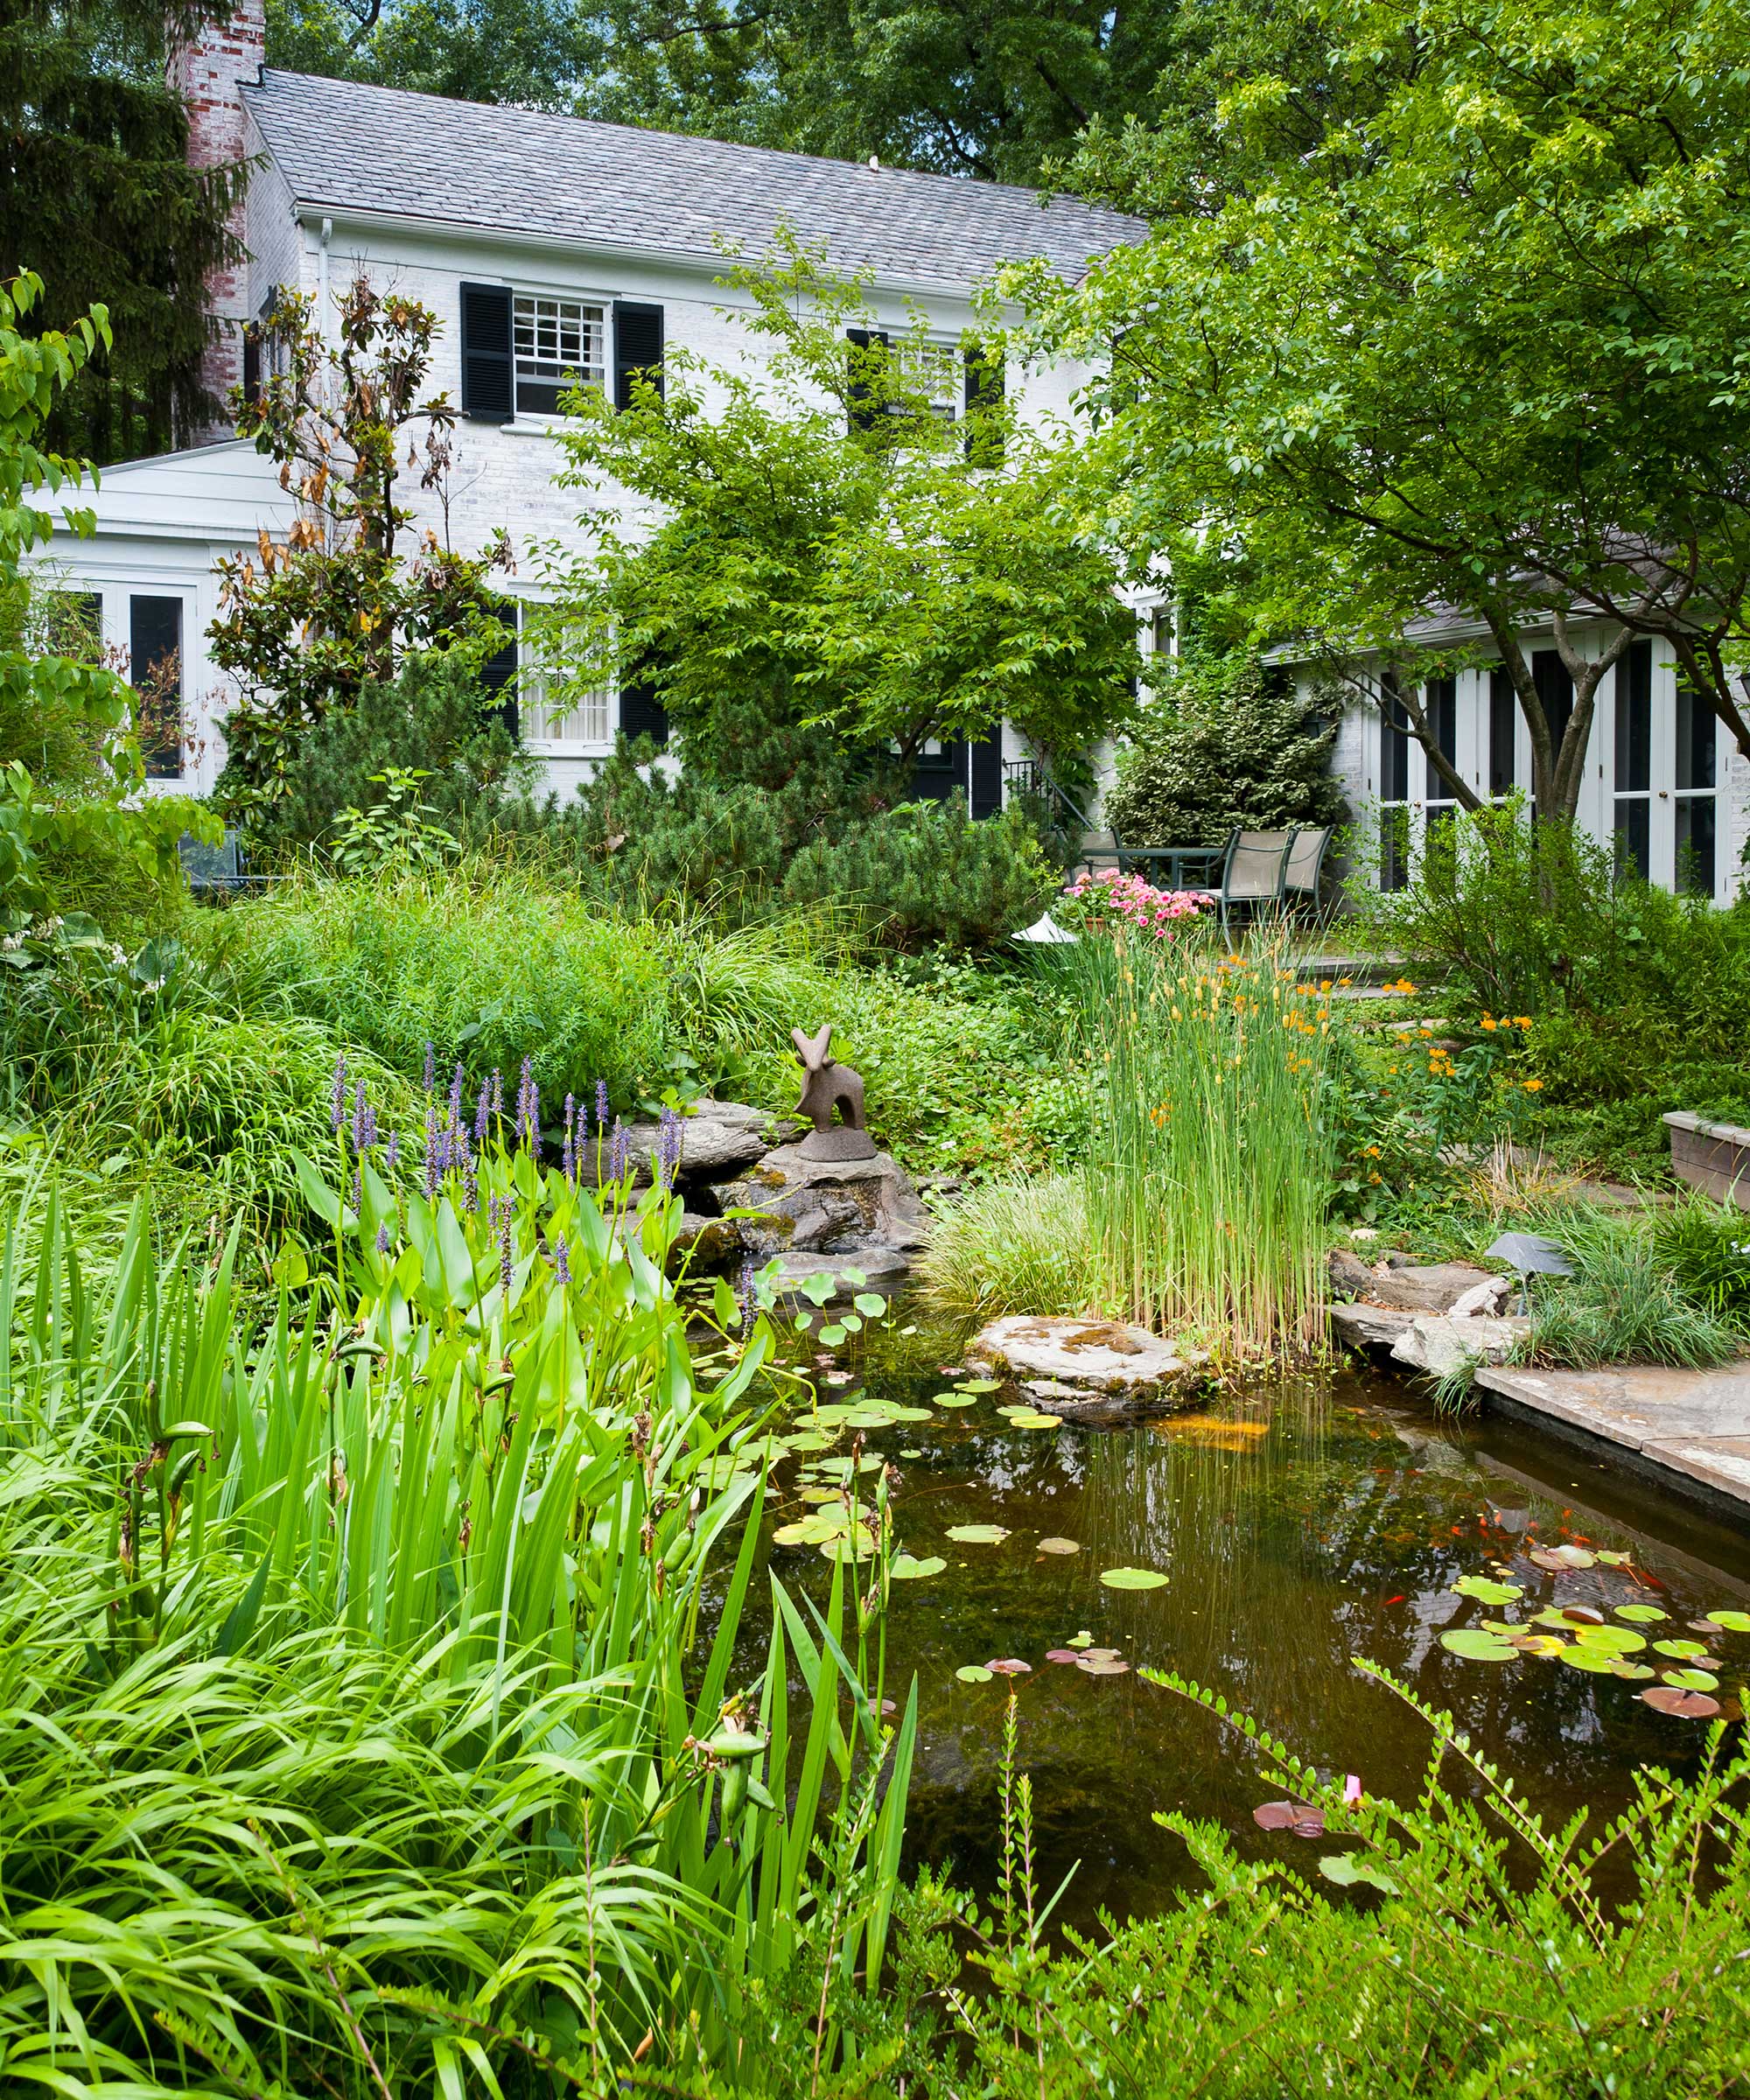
(482, 963)
(1625, 1303)
(431, 720)
(924, 873)
(1011, 1247)
(1223, 744)
(1706, 1247)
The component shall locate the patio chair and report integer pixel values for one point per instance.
(1253, 873)
(1306, 864)
(220, 871)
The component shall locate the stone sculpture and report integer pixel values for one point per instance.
(829, 1085)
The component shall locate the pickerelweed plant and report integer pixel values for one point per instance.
(451, 1525)
(1209, 1165)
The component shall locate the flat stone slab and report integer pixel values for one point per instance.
(1066, 1364)
(1441, 1346)
(1693, 1426)
(1406, 1286)
(1369, 1326)
(719, 1138)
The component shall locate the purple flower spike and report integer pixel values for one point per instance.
(338, 1104)
(618, 1151)
(601, 1106)
(505, 1262)
(456, 1098)
(358, 1189)
(368, 1129)
(358, 1118)
(471, 1189)
(392, 1152)
(569, 1158)
(431, 1068)
(562, 1259)
(747, 1291)
(498, 1092)
(382, 1239)
(483, 1113)
(668, 1147)
(431, 1166)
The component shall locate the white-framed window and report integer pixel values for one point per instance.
(560, 711)
(934, 372)
(557, 344)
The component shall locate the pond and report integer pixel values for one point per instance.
(1299, 1525)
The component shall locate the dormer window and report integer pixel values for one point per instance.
(558, 344)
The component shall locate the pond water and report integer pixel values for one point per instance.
(1299, 1525)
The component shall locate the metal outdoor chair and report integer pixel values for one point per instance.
(1306, 865)
(1254, 872)
(220, 870)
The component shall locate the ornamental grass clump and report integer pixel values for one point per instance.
(1210, 1160)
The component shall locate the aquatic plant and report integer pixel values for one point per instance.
(1209, 1165)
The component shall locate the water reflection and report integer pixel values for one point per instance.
(1298, 1527)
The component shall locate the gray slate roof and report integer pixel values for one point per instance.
(350, 147)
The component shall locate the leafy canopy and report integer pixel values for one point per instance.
(1445, 306)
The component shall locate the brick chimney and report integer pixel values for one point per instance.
(209, 71)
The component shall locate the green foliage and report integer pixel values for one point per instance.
(308, 626)
(828, 544)
(1376, 349)
(1618, 1945)
(1220, 747)
(925, 872)
(1011, 1247)
(389, 1626)
(1625, 1303)
(1707, 1248)
(480, 960)
(429, 720)
(100, 192)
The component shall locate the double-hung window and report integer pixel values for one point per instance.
(562, 709)
(931, 375)
(558, 345)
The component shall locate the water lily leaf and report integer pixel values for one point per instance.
(1010, 1666)
(1682, 1651)
(1598, 1661)
(1631, 1670)
(854, 1545)
(1084, 1639)
(1092, 1653)
(1476, 1646)
(973, 1673)
(1641, 1615)
(1693, 1680)
(833, 1335)
(909, 1414)
(1297, 1815)
(1543, 1645)
(1132, 1579)
(868, 1305)
(951, 1400)
(1036, 1419)
(1612, 1560)
(978, 1535)
(1486, 1590)
(909, 1568)
(912, 1453)
(1059, 1546)
(1611, 1640)
(812, 1530)
(1349, 1872)
(818, 1495)
(809, 1439)
(1103, 1666)
(1732, 1623)
(1582, 1614)
(1687, 1706)
(1061, 1654)
(978, 1385)
(1553, 1556)
(869, 1418)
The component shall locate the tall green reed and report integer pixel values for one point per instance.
(476, 1481)
(1209, 1162)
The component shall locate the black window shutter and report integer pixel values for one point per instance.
(987, 777)
(488, 379)
(498, 674)
(155, 670)
(984, 396)
(641, 713)
(865, 410)
(637, 347)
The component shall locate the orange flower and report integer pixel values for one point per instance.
(1490, 1023)
(1532, 1086)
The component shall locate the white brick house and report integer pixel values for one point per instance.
(538, 241)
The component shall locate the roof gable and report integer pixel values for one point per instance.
(345, 146)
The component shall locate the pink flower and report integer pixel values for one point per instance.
(1351, 1788)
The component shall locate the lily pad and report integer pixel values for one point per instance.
(1010, 1666)
(1061, 1654)
(1607, 1559)
(1641, 1615)
(978, 1535)
(1059, 1546)
(869, 1418)
(1687, 1706)
(978, 1385)
(1084, 1639)
(1476, 1646)
(951, 1400)
(1637, 1670)
(1559, 1557)
(1681, 1651)
(833, 1335)
(1732, 1623)
(1612, 1639)
(973, 1673)
(1133, 1578)
(1103, 1666)
(908, 1414)
(812, 1530)
(1582, 1614)
(1032, 1419)
(1598, 1661)
(1349, 1873)
(1546, 1646)
(909, 1568)
(854, 1545)
(912, 1453)
(1693, 1680)
(1096, 1654)
(1297, 1815)
(1486, 1590)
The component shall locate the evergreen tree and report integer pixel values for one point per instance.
(97, 194)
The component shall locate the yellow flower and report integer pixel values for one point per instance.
(1532, 1086)
(1490, 1023)
(1524, 1021)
